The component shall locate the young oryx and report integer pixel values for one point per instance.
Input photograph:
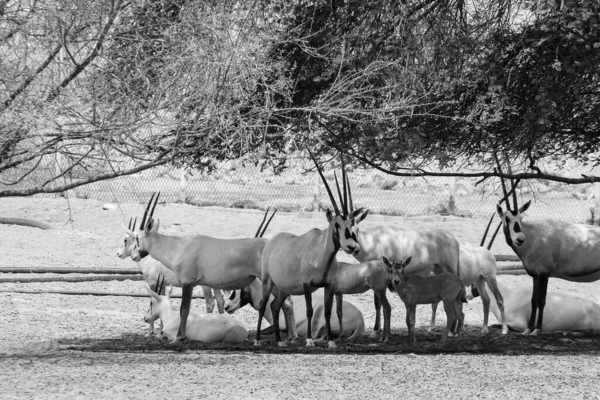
(549, 248)
(208, 328)
(200, 260)
(353, 322)
(429, 248)
(418, 289)
(563, 312)
(299, 265)
(152, 269)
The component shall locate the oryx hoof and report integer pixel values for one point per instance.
(257, 342)
(310, 343)
(485, 329)
(384, 339)
(281, 344)
(527, 332)
(331, 344)
(536, 332)
(505, 330)
(177, 340)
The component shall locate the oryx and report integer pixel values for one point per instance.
(549, 248)
(200, 259)
(299, 265)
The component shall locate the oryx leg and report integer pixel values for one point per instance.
(450, 319)
(220, 300)
(267, 288)
(411, 312)
(377, 327)
(338, 309)
(209, 300)
(542, 291)
(433, 312)
(328, 303)
(485, 299)
(276, 304)
(387, 316)
(290, 319)
(534, 306)
(186, 299)
(309, 314)
(493, 284)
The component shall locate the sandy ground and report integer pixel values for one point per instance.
(103, 353)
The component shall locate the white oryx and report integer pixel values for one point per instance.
(417, 289)
(152, 269)
(353, 321)
(549, 248)
(207, 328)
(200, 260)
(563, 311)
(297, 265)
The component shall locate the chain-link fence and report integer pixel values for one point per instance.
(299, 188)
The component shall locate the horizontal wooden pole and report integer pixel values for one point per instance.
(512, 272)
(80, 293)
(72, 278)
(68, 270)
(507, 257)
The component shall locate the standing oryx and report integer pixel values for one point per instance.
(549, 248)
(200, 259)
(152, 269)
(299, 265)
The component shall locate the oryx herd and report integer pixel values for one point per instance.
(421, 266)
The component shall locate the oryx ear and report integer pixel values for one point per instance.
(169, 292)
(359, 218)
(152, 293)
(499, 210)
(389, 264)
(524, 207)
(406, 262)
(152, 225)
(329, 215)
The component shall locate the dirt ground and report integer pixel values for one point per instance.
(103, 353)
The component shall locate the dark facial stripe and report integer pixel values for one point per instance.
(517, 227)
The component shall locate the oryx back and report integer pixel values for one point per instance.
(575, 249)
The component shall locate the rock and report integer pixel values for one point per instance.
(109, 206)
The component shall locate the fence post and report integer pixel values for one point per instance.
(182, 185)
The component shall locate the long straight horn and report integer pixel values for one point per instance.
(134, 223)
(162, 284)
(489, 246)
(487, 229)
(344, 183)
(258, 234)
(505, 198)
(351, 206)
(157, 283)
(337, 185)
(129, 226)
(143, 224)
(267, 224)
(333, 203)
(514, 193)
(154, 206)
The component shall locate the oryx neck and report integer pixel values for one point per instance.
(163, 248)
(328, 249)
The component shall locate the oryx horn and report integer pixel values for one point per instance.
(148, 213)
(258, 232)
(333, 203)
(487, 229)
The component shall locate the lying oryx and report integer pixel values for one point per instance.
(418, 289)
(208, 328)
(563, 312)
(201, 260)
(353, 322)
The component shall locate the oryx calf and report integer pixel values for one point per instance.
(208, 328)
(418, 289)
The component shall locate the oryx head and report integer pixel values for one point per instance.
(344, 222)
(236, 299)
(511, 218)
(396, 270)
(128, 244)
(157, 298)
(148, 227)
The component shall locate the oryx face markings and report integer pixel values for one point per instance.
(512, 224)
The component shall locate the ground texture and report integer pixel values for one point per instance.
(100, 350)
